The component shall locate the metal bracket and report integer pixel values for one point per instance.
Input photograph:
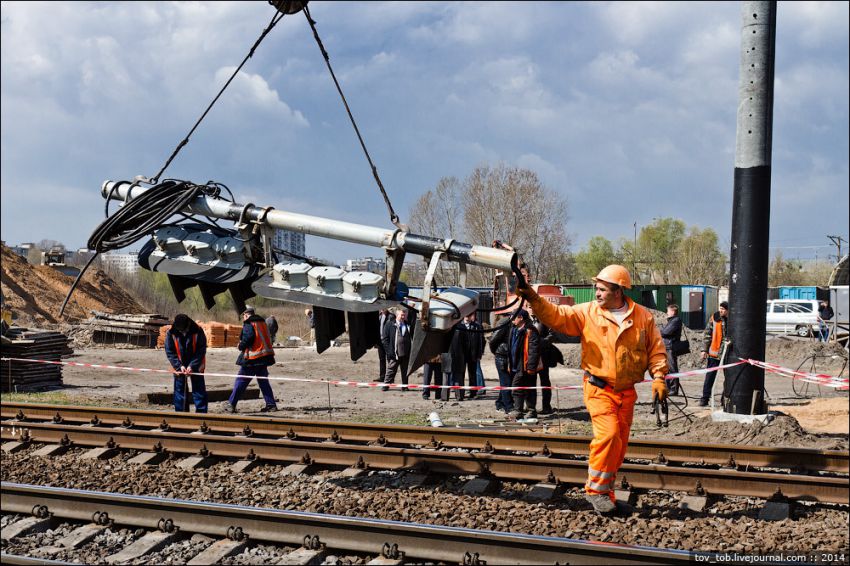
(424, 319)
(395, 263)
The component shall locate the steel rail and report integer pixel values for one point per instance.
(415, 540)
(726, 455)
(500, 466)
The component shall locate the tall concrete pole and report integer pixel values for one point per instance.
(743, 389)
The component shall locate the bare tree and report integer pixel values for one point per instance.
(698, 259)
(438, 213)
(512, 205)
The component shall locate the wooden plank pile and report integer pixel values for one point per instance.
(137, 329)
(219, 335)
(32, 344)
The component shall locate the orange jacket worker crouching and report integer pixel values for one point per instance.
(619, 344)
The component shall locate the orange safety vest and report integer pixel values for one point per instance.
(194, 346)
(525, 355)
(716, 338)
(262, 345)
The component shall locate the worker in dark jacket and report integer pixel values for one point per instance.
(473, 349)
(550, 356)
(671, 333)
(825, 313)
(523, 361)
(397, 345)
(500, 347)
(256, 354)
(454, 365)
(186, 350)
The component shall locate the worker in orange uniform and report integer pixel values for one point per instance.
(619, 343)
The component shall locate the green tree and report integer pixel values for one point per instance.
(656, 246)
(782, 272)
(698, 259)
(598, 253)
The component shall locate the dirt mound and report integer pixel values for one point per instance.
(35, 293)
(783, 430)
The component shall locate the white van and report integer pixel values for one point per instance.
(793, 316)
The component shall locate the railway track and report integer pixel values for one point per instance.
(375, 541)
(498, 455)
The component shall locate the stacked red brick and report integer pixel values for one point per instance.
(218, 335)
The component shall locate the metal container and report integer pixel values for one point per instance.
(169, 240)
(326, 280)
(199, 245)
(362, 286)
(229, 250)
(291, 275)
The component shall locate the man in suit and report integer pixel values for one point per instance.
(397, 344)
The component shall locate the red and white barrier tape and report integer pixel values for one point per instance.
(820, 379)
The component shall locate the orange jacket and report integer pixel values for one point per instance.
(618, 354)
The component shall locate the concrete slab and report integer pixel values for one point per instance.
(381, 561)
(151, 542)
(298, 469)
(696, 503)
(480, 486)
(775, 511)
(625, 495)
(80, 536)
(245, 465)
(353, 472)
(99, 454)
(304, 557)
(26, 526)
(148, 458)
(217, 551)
(51, 450)
(14, 446)
(722, 417)
(543, 492)
(195, 462)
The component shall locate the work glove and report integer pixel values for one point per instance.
(659, 388)
(526, 293)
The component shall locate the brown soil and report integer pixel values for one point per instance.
(35, 293)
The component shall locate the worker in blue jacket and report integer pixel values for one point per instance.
(186, 349)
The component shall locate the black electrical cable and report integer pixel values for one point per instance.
(138, 218)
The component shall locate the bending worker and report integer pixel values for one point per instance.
(186, 350)
(619, 343)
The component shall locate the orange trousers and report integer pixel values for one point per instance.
(611, 415)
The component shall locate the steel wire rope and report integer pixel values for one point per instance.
(275, 19)
(393, 216)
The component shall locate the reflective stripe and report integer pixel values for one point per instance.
(598, 486)
(598, 474)
(262, 345)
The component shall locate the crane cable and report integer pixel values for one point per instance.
(393, 216)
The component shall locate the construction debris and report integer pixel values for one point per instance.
(136, 329)
(37, 345)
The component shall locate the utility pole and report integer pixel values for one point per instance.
(743, 388)
(634, 255)
(837, 241)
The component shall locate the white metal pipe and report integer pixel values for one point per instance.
(324, 227)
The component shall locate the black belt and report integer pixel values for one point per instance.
(597, 381)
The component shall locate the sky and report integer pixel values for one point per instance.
(627, 110)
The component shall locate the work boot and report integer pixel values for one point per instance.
(532, 414)
(269, 409)
(703, 403)
(228, 408)
(601, 503)
(547, 411)
(385, 388)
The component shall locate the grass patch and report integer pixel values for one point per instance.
(62, 398)
(412, 419)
